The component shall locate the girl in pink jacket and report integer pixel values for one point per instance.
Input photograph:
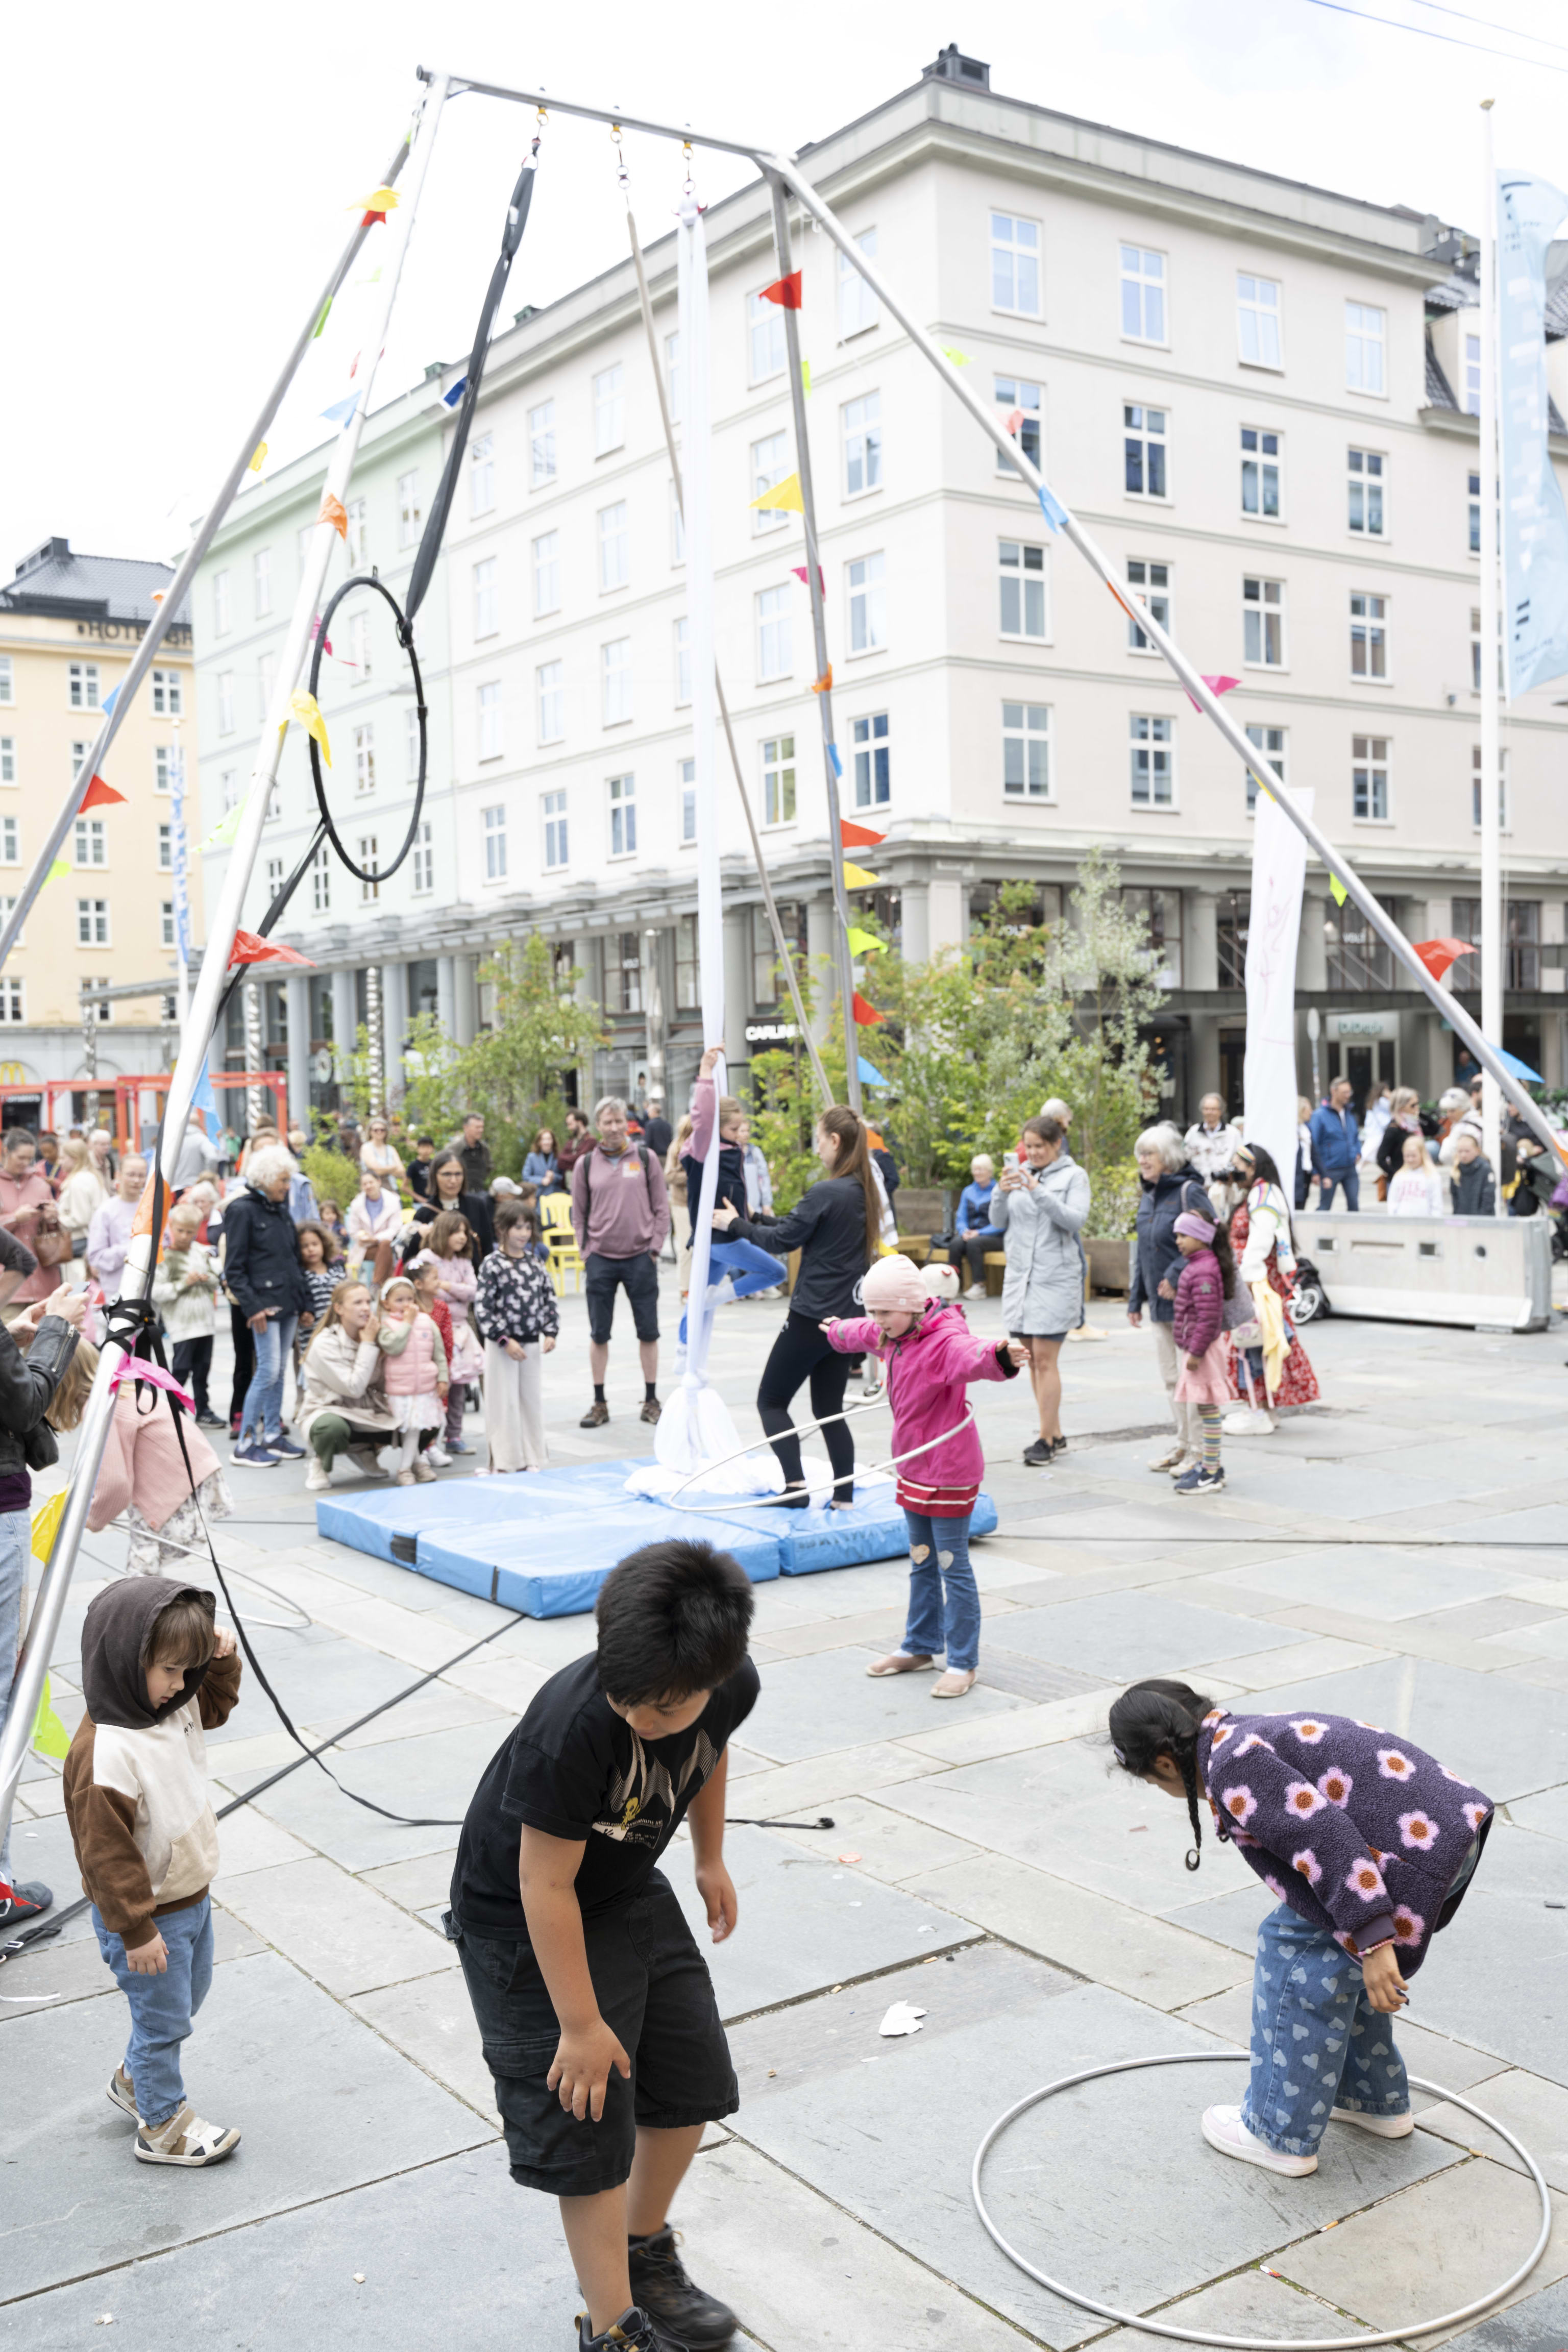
(931, 1356)
(416, 1377)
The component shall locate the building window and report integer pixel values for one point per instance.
(766, 342)
(770, 463)
(1475, 486)
(862, 445)
(425, 859)
(321, 881)
(1258, 321)
(274, 804)
(92, 923)
(672, 376)
(1473, 375)
(615, 669)
(1259, 473)
(82, 685)
(1153, 775)
(541, 443)
(411, 744)
(1369, 636)
(488, 702)
(364, 758)
(1143, 447)
(1022, 404)
(408, 512)
(167, 699)
(1359, 961)
(7, 679)
(1152, 584)
(868, 604)
(778, 780)
(858, 306)
(1161, 911)
(8, 759)
(1233, 920)
(228, 784)
(1263, 624)
(1363, 347)
(355, 538)
(776, 654)
(682, 661)
(7, 908)
(614, 546)
(873, 772)
(547, 573)
(1022, 574)
(623, 819)
(495, 845)
(162, 767)
(482, 475)
(265, 665)
(687, 776)
(226, 702)
(261, 582)
(623, 972)
(1026, 752)
(1367, 472)
(223, 604)
(1142, 295)
(369, 860)
(609, 410)
(688, 969)
(1521, 936)
(1270, 741)
(91, 841)
(553, 808)
(166, 847)
(78, 756)
(359, 649)
(11, 841)
(1015, 265)
(1475, 789)
(550, 681)
(13, 1001)
(1369, 778)
(487, 599)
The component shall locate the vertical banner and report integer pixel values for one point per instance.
(1534, 523)
(1274, 924)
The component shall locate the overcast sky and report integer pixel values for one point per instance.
(178, 183)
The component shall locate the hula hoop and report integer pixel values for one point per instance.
(806, 1429)
(1255, 2343)
(405, 639)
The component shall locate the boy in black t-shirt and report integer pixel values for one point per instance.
(595, 2009)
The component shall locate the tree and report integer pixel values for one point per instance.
(514, 1071)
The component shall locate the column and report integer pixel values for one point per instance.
(375, 1036)
(819, 920)
(465, 985)
(447, 996)
(395, 1026)
(1200, 962)
(257, 1100)
(1312, 950)
(297, 996)
(947, 913)
(917, 923)
(345, 1023)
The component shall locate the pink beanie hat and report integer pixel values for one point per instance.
(894, 1285)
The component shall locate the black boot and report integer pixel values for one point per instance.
(683, 2313)
(634, 2331)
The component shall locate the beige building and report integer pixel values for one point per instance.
(69, 626)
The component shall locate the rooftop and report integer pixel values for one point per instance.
(52, 580)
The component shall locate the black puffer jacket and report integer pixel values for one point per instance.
(261, 1265)
(27, 1384)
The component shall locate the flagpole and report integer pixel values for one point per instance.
(15, 1738)
(1492, 939)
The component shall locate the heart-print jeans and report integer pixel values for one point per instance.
(1317, 2041)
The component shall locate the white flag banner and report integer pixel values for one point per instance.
(1534, 521)
(1274, 925)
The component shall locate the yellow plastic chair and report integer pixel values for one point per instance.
(565, 1257)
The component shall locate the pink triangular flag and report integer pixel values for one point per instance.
(1215, 686)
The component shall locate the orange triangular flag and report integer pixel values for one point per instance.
(142, 1222)
(866, 1015)
(822, 684)
(785, 291)
(858, 837)
(333, 510)
(101, 795)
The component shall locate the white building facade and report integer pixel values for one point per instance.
(1252, 393)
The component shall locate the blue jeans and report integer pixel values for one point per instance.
(1317, 2042)
(15, 1544)
(263, 1411)
(162, 2006)
(1331, 1179)
(945, 1602)
(749, 1268)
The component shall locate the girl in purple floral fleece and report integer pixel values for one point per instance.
(1369, 1843)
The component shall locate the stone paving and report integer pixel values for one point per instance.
(1400, 1553)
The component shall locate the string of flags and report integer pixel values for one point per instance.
(377, 206)
(45, 1526)
(223, 832)
(342, 410)
(249, 947)
(258, 458)
(865, 942)
(333, 510)
(804, 576)
(858, 837)
(50, 1737)
(866, 1015)
(1216, 686)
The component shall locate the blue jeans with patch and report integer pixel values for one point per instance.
(263, 1414)
(162, 2006)
(944, 1600)
(1317, 2041)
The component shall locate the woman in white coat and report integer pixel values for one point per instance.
(1040, 1208)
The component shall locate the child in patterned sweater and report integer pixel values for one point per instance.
(515, 1310)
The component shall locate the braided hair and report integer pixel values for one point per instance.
(1162, 1719)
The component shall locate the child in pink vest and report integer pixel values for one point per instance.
(416, 1378)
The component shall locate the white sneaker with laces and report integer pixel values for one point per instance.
(1247, 1424)
(975, 1290)
(1223, 2129)
(438, 1457)
(1379, 2127)
(318, 1478)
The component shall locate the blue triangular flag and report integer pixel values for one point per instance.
(342, 410)
(1051, 507)
(450, 399)
(837, 762)
(869, 1075)
(109, 701)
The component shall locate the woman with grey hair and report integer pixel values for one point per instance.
(265, 1277)
(1171, 1184)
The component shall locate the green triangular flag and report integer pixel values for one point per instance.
(806, 375)
(1337, 890)
(322, 320)
(222, 834)
(50, 1737)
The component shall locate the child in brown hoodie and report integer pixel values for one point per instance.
(156, 1673)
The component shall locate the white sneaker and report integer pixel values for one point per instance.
(1379, 2127)
(438, 1457)
(317, 1477)
(1223, 2129)
(1249, 1424)
(975, 1290)
(724, 1295)
(1179, 1469)
(186, 2140)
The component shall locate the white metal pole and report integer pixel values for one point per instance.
(179, 863)
(16, 1738)
(1491, 941)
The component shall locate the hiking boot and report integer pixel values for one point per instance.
(651, 1409)
(185, 2139)
(633, 2329)
(679, 2308)
(1172, 1460)
(123, 2094)
(22, 1902)
(423, 1474)
(595, 1417)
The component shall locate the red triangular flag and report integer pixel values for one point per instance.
(250, 947)
(804, 578)
(1015, 419)
(785, 291)
(1439, 954)
(866, 1015)
(370, 219)
(101, 795)
(858, 837)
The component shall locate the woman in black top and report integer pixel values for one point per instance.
(835, 1228)
(447, 1180)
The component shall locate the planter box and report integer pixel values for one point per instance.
(920, 1211)
(1110, 1266)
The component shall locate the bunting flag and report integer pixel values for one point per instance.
(450, 399)
(866, 1015)
(223, 832)
(956, 358)
(377, 206)
(823, 684)
(857, 878)
(342, 410)
(784, 497)
(1051, 507)
(858, 837)
(249, 947)
(785, 291)
(1337, 890)
(109, 700)
(333, 511)
(1015, 419)
(308, 711)
(1221, 684)
(804, 576)
(1439, 954)
(832, 754)
(50, 1737)
(256, 463)
(46, 1525)
(869, 1073)
(101, 795)
(805, 376)
(61, 865)
(322, 317)
(863, 943)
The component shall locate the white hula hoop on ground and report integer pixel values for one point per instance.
(808, 1429)
(1257, 2343)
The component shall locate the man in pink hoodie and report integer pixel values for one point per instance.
(620, 1213)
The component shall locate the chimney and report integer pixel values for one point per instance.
(950, 65)
(50, 549)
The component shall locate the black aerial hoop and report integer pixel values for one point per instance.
(405, 639)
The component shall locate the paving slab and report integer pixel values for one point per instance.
(977, 1741)
(47, 1976)
(322, 1677)
(439, 1706)
(345, 1934)
(435, 1776)
(886, 1845)
(1435, 2055)
(265, 2035)
(1534, 2321)
(431, 2021)
(1251, 2304)
(1520, 2012)
(1229, 1917)
(1510, 1739)
(1547, 1812)
(789, 1789)
(418, 1885)
(811, 1705)
(1535, 2111)
(1122, 1635)
(1374, 1581)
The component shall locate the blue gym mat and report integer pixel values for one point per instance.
(543, 1544)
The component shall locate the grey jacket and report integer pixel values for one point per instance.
(1042, 1290)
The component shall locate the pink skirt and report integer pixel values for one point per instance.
(1208, 1385)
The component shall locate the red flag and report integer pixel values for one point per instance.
(858, 837)
(866, 1015)
(370, 219)
(785, 291)
(250, 947)
(1439, 954)
(101, 795)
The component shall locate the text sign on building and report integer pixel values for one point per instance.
(771, 1033)
(1351, 1025)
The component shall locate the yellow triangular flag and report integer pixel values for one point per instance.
(308, 711)
(46, 1525)
(959, 358)
(785, 495)
(61, 865)
(50, 1737)
(862, 943)
(1337, 890)
(805, 376)
(256, 463)
(857, 878)
(223, 832)
(380, 200)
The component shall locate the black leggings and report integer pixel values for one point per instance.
(800, 1351)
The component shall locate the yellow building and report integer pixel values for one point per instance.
(69, 627)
